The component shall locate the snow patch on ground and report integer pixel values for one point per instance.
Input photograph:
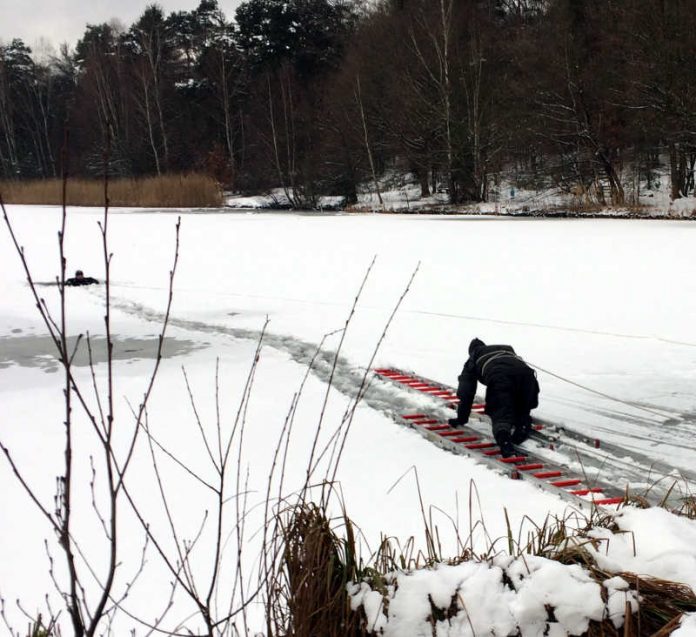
(400, 192)
(652, 542)
(278, 199)
(533, 594)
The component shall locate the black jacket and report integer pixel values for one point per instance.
(85, 280)
(486, 364)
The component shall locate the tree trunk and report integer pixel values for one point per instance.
(423, 178)
(358, 97)
(274, 135)
(7, 124)
(153, 58)
(225, 98)
(675, 180)
(289, 121)
(150, 127)
(45, 109)
(617, 191)
(446, 17)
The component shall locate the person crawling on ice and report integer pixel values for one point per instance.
(512, 391)
(81, 279)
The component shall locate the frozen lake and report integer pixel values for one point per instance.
(606, 305)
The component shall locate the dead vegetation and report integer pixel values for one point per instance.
(192, 190)
(318, 564)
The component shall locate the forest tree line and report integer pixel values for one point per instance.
(323, 96)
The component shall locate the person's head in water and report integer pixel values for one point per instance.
(475, 344)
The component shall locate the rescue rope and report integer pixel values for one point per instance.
(628, 403)
(664, 414)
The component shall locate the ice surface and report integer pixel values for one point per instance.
(608, 304)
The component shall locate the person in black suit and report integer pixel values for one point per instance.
(512, 391)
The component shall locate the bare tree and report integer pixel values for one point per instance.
(437, 35)
(368, 147)
(8, 154)
(149, 46)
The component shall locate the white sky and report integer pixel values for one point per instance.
(65, 20)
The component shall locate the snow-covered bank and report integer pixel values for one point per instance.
(401, 194)
(608, 305)
(528, 595)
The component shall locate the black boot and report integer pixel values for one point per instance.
(520, 434)
(522, 431)
(505, 444)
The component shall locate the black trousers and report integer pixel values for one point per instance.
(510, 395)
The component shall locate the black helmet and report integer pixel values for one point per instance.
(474, 345)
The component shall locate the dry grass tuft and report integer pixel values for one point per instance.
(662, 605)
(687, 507)
(319, 560)
(318, 567)
(167, 191)
(662, 602)
(569, 541)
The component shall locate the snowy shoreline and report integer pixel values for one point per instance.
(536, 214)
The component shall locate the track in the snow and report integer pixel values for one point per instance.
(553, 445)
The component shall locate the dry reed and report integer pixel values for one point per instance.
(662, 603)
(318, 567)
(191, 190)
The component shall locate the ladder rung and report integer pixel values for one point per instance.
(567, 483)
(547, 474)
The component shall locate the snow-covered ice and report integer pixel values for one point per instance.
(608, 304)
